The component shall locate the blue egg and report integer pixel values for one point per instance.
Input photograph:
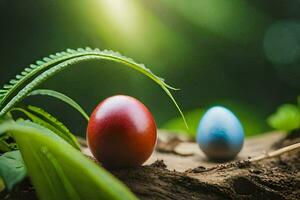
(220, 134)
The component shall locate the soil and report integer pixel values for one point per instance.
(197, 178)
(292, 138)
(24, 191)
(269, 178)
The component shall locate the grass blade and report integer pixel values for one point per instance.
(58, 171)
(43, 118)
(63, 98)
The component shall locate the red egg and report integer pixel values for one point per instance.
(121, 132)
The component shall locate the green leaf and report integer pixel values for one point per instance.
(63, 98)
(45, 119)
(2, 185)
(6, 143)
(287, 118)
(12, 169)
(36, 74)
(4, 146)
(58, 171)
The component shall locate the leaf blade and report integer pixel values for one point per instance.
(12, 169)
(286, 118)
(95, 182)
(63, 98)
(35, 114)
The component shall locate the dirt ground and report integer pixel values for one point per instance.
(183, 172)
(178, 170)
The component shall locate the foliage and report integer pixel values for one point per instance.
(7, 143)
(12, 168)
(4, 146)
(2, 185)
(43, 118)
(49, 150)
(63, 98)
(56, 168)
(36, 74)
(286, 118)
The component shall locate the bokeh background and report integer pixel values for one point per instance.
(242, 54)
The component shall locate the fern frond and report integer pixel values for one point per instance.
(43, 118)
(63, 98)
(36, 74)
(29, 73)
(54, 122)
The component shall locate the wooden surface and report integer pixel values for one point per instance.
(183, 172)
(253, 146)
(179, 170)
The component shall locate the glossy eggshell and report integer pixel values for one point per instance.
(220, 134)
(121, 132)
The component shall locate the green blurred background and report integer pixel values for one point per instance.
(241, 54)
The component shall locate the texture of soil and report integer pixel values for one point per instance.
(183, 174)
(269, 178)
(276, 178)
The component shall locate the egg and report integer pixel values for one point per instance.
(220, 134)
(121, 132)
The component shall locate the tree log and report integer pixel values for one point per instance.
(178, 170)
(268, 178)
